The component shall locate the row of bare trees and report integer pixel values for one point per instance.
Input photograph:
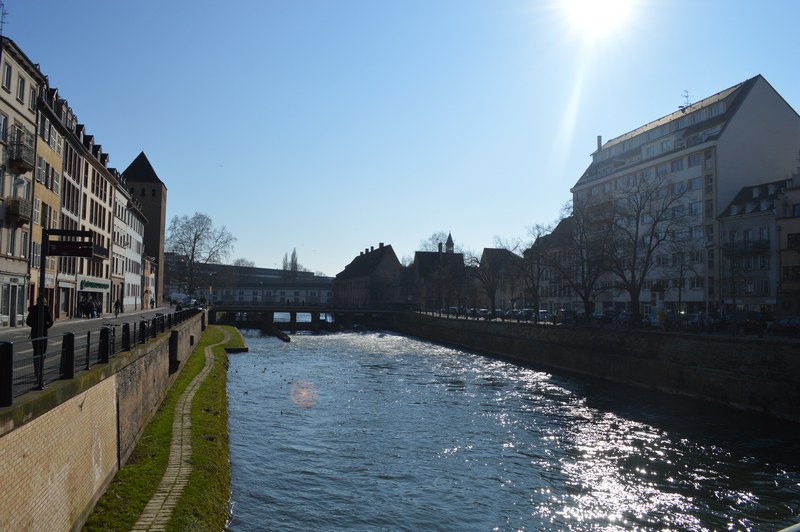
(630, 231)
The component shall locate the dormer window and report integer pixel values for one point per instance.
(756, 192)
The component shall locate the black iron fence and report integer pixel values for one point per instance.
(54, 359)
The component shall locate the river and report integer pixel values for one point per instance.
(376, 431)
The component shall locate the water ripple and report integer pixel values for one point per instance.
(406, 435)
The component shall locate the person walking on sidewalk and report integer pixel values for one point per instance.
(39, 335)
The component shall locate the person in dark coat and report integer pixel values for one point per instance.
(39, 338)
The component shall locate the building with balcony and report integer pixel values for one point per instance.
(46, 194)
(700, 157)
(21, 82)
(787, 235)
(748, 270)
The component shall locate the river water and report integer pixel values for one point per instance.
(376, 431)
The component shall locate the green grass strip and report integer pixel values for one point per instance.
(209, 484)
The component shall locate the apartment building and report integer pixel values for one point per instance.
(20, 85)
(46, 193)
(749, 250)
(705, 153)
(97, 217)
(72, 178)
(134, 225)
(787, 213)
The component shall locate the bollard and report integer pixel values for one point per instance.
(142, 332)
(88, 348)
(102, 353)
(6, 373)
(68, 356)
(126, 336)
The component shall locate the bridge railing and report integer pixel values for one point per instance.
(72, 353)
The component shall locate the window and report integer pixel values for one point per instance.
(796, 209)
(696, 207)
(763, 233)
(32, 99)
(662, 170)
(3, 126)
(793, 240)
(11, 243)
(24, 241)
(697, 282)
(678, 188)
(21, 89)
(709, 208)
(676, 165)
(7, 76)
(695, 159)
(695, 184)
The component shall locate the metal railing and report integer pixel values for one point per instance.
(77, 352)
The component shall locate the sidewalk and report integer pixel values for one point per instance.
(16, 334)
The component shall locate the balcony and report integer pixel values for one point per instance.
(745, 246)
(20, 209)
(21, 150)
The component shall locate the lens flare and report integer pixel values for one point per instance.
(304, 394)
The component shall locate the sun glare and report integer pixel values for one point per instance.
(596, 19)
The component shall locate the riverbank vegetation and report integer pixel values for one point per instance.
(204, 504)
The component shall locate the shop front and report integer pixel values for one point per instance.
(93, 293)
(12, 302)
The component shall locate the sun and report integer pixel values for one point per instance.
(593, 20)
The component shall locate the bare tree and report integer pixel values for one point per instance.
(196, 242)
(644, 214)
(244, 262)
(577, 251)
(496, 265)
(533, 265)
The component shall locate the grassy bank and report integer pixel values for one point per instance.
(204, 503)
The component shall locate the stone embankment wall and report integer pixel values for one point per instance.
(744, 372)
(60, 447)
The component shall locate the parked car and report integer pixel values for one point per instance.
(624, 318)
(788, 326)
(565, 316)
(484, 313)
(544, 315)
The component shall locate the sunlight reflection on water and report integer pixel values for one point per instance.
(406, 434)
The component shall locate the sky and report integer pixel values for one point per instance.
(330, 126)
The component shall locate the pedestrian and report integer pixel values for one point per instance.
(39, 335)
(152, 303)
(117, 307)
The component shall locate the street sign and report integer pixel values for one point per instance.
(64, 248)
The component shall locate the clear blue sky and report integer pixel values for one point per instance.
(332, 125)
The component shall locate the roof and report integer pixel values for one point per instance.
(428, 262)
(734, 96)
(141, 171)
(366, 263)
(498, 258)
(755, 199)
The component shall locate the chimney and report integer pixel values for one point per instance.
(599, 141)
(440, 247)
(380, 245)
(372, 248)
(366, 250)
